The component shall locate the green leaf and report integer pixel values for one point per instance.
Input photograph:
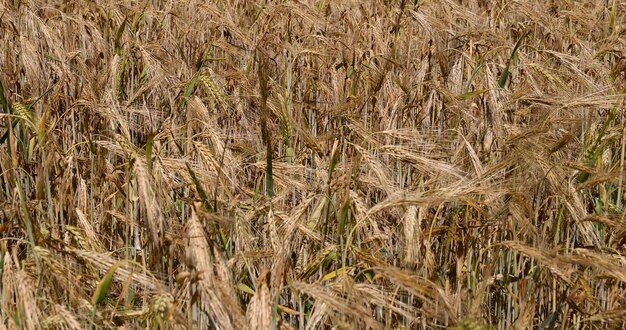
(259, 12)
(5, 109)
(343, 216)
(335, 273)
(471, 94)
(582, 176)
(505, 73)
(104, 285)
(349, 72)
(189, 90)
(118, 35)
(369, 275)
(330, 257)
(318, 263)
(203, 195)
(1, 262)
(3, 100)
(205, 202)
(243, 287)
(333, 160)
(550, 321)
(595, 149)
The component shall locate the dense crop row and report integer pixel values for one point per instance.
(312, 164)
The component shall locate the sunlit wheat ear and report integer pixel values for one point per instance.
(259, 312)
(214, 299)
(61, 272)
(104, 262)
(69, 319)
(435, 301)
(382, 179)
(26, 301)
(412, 235)
(90, 235)
(557, 266)
(329, 300)
(154, 221)
(287, 233)
(8, 302)
(159, 311)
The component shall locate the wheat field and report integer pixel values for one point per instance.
(383, 164)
